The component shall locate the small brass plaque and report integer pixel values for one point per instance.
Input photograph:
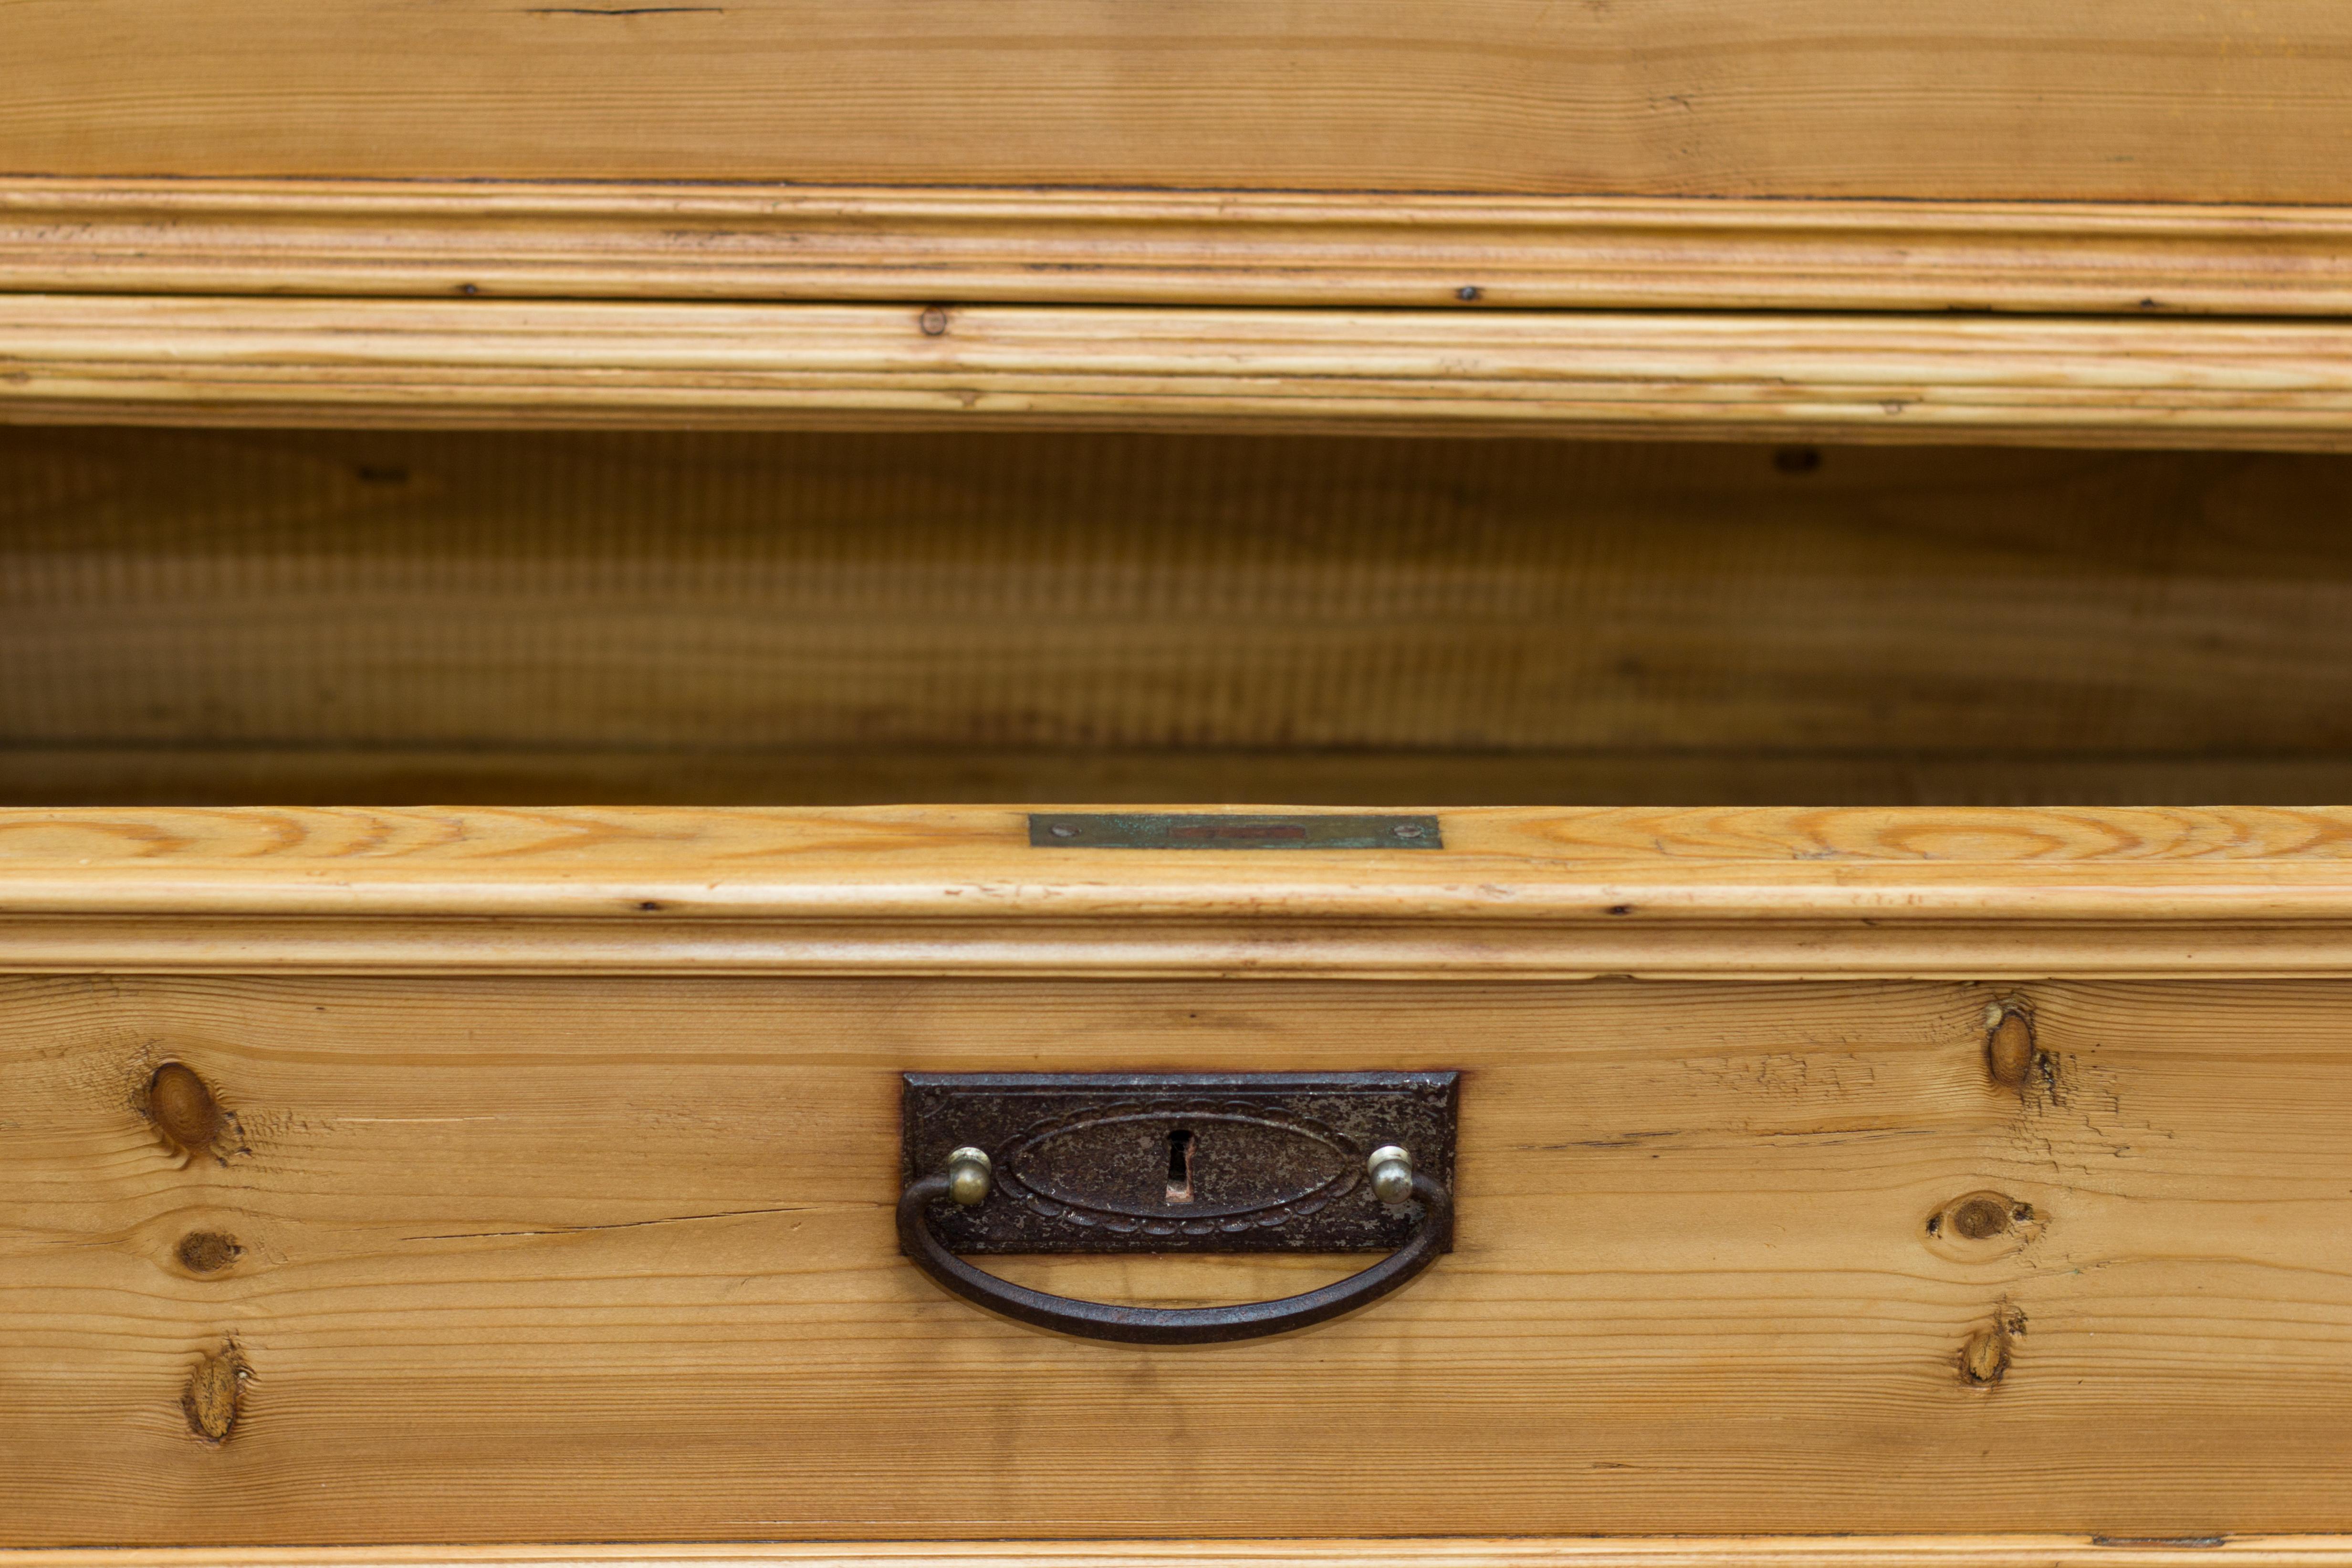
(1166, 830)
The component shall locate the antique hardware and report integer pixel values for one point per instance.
(1172, 1163)
(1391, 1173)
(970, 1175)
(1220, 830)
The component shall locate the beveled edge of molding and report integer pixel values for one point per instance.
(1433, 1552)
(1215, 247)
(1113, 949)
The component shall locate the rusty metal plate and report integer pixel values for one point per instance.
(1167, 830)
(1178, 1162)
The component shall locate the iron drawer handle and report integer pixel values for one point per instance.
(1159, 1325)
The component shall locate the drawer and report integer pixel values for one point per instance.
(1946, 1170)
(996, 718)
(1818, 1173)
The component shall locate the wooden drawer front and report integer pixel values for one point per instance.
(509, 1257)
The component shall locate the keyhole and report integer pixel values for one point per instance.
(1180, 1166)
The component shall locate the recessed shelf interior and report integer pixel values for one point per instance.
(366, 618)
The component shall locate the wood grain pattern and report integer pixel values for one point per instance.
(357, 618)
(1624, 1552)
(1266, 247)
(2048, 381)
(38, 774)
(1665, 894)
(585, 1258)
(2158, 100)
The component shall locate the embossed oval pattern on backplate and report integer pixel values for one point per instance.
(1178, 1162)
(1188, 1168)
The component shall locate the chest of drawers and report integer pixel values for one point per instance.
(404, 1177)
(1840, 768)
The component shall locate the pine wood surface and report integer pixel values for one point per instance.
(234, 774)
(575, 859)
(2054, 381)
(2158, 100)
(580, 1259)
(400, 617)
(1667, 894)
(610, 239)
(1621, 1551)
(546, 1200)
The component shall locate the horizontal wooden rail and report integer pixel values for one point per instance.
(1661, 893)
(1935, 100)
(1589, 1552)
(1075, 246)
(2044, 380)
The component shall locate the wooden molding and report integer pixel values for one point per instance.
(1460, 254)
(1659, 893)
(1584, 1551)
(2041, 380)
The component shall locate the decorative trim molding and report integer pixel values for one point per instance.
(1999, 893)
(1461, 254)
(1987, 948)
(2029, 379)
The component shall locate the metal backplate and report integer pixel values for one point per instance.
(1231, 830)
(1178, 1162)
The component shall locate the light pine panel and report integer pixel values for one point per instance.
(381, 616)
(591, 1258)
(2095, 100)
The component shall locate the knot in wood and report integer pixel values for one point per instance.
(182, 1107)
(215, 1395)
(207, 1251)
